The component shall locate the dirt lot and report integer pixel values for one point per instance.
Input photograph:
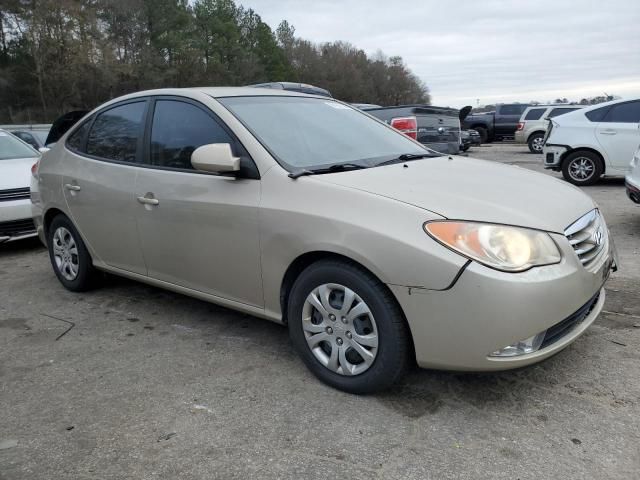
(151, 384)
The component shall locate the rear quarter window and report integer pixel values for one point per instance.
(598, 114)
(76, 140)
(556, 112)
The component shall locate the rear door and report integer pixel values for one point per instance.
(507, 118)
(201, 231)
(100, 161)
(619, 133)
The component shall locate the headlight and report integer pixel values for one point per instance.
(510, 249)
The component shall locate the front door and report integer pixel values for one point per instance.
(197, 230)
(619, 135)
(101, 156)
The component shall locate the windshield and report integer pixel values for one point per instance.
(310, 133)
(11, 147)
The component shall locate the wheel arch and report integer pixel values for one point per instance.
(300, 263)
(48, 217)
(535, 132)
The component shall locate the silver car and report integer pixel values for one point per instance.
(375, 251)
(16, 161)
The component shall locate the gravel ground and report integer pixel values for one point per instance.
(151, 384)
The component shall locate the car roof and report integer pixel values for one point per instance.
(221, 92)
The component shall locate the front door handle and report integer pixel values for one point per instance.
(148, 199)
(608, 132)
(72, 188)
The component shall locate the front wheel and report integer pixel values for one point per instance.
(69, 256)
(536, 142)
(347, 327)
(582, 168)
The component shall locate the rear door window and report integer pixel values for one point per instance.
(628, 112)
(534, 114)
(116, 133)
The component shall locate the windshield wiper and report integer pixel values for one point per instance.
(338, 167)
(406, 157)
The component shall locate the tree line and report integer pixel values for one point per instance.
(61, 55)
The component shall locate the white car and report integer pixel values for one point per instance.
(632, 181)
(16, 160)
(593, 141)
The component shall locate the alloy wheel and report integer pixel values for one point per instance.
(340, 329)
(581, 169)
(537, 144)
(65, 253)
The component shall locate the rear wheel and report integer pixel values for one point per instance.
(484, 135)
(536, 142)
(70, 259)
(347, 327)
(582, 168)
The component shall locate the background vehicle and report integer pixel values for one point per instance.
(533, 124)
(497, 125)
(16, 161)
(593, 141)
(435, 127)
(632, 180)
(469, 138)
(305, 211)
(34, 134)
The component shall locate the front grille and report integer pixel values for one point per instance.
(588, 236)
(14, 194)
(563, 328)
(15, 228)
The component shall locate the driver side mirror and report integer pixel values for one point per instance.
(215, 158)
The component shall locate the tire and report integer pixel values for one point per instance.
(69, 257)
(484, 135)
(535, 143)
(315, 331)
(582, 168)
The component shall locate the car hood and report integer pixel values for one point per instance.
(16, 173)
(465, 188)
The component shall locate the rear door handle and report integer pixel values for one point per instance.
(148, 200)
(71, 187)
(608, 132)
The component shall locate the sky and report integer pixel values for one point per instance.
(485, 51)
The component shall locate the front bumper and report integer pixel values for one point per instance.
(553, 156)
(15, 221)
(633, 189)
(486, 310)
